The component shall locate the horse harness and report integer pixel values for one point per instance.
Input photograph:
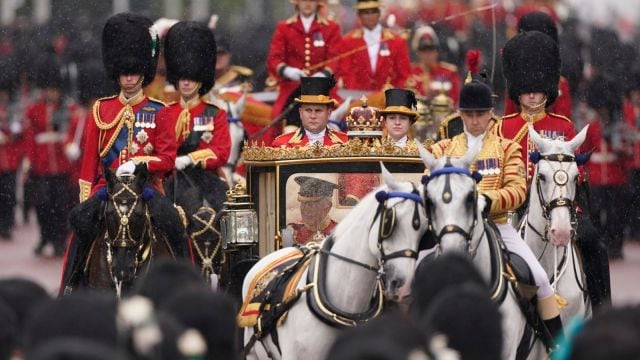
(560, 179)
(315, 261)
(123, 237)
(206, 256)
(446, 198)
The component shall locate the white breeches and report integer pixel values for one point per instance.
(515, 244)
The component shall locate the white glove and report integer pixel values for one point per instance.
(319, 74)
(293, 73)
(72, 150)
(127, 168)
(182, 162)
(15, 127)
(339, 113)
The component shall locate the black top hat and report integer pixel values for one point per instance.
(531, 63)
(130, 45)
(400, 101)
(475, 96)
(539, 21)
(315, 90)
(313, 189)
(190, 53)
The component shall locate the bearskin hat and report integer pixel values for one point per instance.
(8, 75)
(603, 91)
(190, 53)
(539, 21)
(130, 45)
(531, 62)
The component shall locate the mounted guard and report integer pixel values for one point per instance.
(200, 127)
(129, 133)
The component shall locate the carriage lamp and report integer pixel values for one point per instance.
(239, 221)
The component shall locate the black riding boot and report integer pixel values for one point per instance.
(166, 219)
(595, 262)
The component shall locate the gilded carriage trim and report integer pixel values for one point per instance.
(201, 156)
(85, 189)
(353, 148)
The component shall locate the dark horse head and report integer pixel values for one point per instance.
(128, 225)
(206, 240)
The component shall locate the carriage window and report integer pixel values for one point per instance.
(317, 202)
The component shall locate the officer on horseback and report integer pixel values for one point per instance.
(128, 132)
(201, 131)
(503, 184)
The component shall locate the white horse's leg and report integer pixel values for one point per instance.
(513, 323)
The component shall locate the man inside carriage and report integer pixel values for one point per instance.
(129, 133)
(315, 197)
(532, 70)
(503, 185)
(201, 131)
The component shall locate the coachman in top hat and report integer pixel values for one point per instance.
(201, 130)
(128, 132)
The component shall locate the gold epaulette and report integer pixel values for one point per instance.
(504, 117)
(387, 34)
(107, 97)
(355, 33)
(559, 116)
(448, 66)
(322, 20)
(292, 19)
(208, 102)
(296, 138)
(242, 70)
(335, 138)
(157, 100)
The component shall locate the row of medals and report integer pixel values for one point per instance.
(488, 167)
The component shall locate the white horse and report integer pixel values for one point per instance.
(356, 266)
(455, 214)
(549, 222)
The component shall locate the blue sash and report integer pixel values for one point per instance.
(144, 118)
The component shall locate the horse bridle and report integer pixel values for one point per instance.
(560, 179)
(446, 198)
(207, 226)
(123, 238)
(387, 225)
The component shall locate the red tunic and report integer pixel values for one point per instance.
(299, 138)
(421, 80)
(292, 46)
(392, 67)
(215, 142)
(302, 234)
(45, 140)
(515, 127)
(152, 142)
(11, 146)
(606, 166)
(632, 116)
(562, 106)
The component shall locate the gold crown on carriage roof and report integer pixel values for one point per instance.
(364, 118)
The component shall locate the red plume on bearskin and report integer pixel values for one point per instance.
(473, 61)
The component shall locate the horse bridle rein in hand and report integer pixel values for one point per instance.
(446, 198)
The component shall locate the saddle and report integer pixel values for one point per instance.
(272, 290)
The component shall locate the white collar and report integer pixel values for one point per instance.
(402, 141)
(307, 21)
(473, 140)
(313, 138)
(373, 34)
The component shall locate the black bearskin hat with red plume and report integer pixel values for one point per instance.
(190, 53)
(531, 62)
(130, 45)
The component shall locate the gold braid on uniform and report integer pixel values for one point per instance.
(183, 125)
(125, 116)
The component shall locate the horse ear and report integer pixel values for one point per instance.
(542, 144)
(142, 175)
(427, 158)
(388, 178)
(471, 154)
(577, 141)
